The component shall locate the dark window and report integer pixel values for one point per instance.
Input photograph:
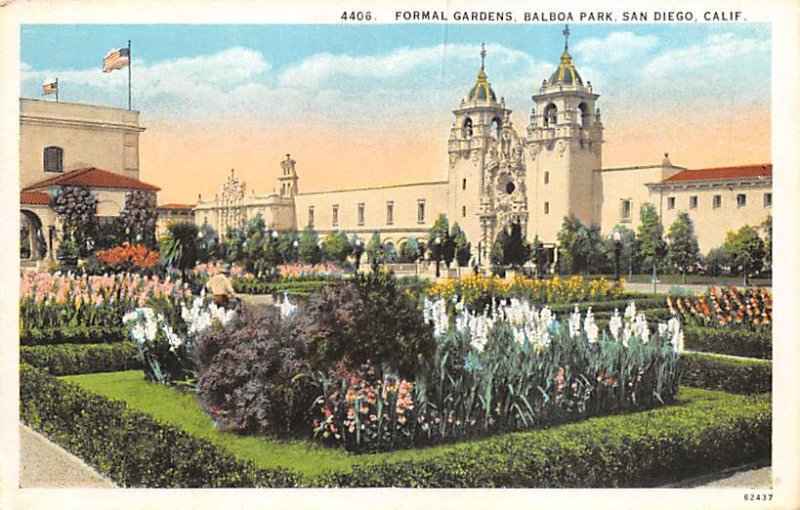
(463, 184)
(463, 211)
(767, 199)
(389, 213)
(335, 216)
(311, 216)
(671, 203)
(625, 210)
(510, 188)
(717, 203)
(547, 177)
(360, 214)
(547, 207)
(421, 211)
(468, 128)
(693, 202)
(741, 200)
(53, 159)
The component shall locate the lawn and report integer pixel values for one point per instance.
(179, 409)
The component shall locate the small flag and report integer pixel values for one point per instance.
(116, 59)
(50, 87)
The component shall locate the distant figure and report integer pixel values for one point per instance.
(220, 286)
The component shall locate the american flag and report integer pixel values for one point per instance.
(50, 87)
(116, 59)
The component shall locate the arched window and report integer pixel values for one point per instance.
(583, 115)
(467, 131)
(53, 159)
(495, 127)
(550, 115)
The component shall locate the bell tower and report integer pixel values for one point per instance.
(480, 123)
(564, 147)
(287, 182)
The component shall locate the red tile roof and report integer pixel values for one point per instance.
(721, 173)
(34, 198)
(93, 178)
(176, 207)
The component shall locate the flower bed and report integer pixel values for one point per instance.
(663, 445)
(734, 342)
(128, 257)
(725, 373)
(479, 291)
(729, 307)
(69, 359)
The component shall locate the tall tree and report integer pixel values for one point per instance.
(309, 250)
(463, 248)
(766, 228)
(651, 237)
(746, 251)
(375, 251)
(179, 246)
(409, 251)
(516, 250)
(139, 217)
(254, 241)
(445, 248)
(337, 247)
(683, 250)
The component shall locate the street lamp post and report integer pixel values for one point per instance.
(436, 253)
(617, 249)
(358, 251)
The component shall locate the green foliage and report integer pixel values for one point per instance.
(208, 244)
(76, 209)
(179, 248)
(309, 250)
(287, 248)
(734, 342)
(629, 253)
(745, 250)
(131, 448)
(409, 251)
(337, 247)
(445, 249)
(725, 373)
(580, 247)
(651, 237)
(683, 251)
(633, 450)
(81, 359)
(766, 228)
(516, 250)
(368, 319)
(375, 250)
(138, 218)
(66, 334)
(717, 261)
(463, 248)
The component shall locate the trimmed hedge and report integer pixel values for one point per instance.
(69, 359)
(724, 373)
(301, 287)
(72, 335)
(132, 448)
(734, 342)
(645, 303)
(635, 450)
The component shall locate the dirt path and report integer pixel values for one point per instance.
(44, 464)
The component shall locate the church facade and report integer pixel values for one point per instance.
(498, 175)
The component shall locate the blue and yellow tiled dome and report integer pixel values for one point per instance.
(565, 74)
(482, 90)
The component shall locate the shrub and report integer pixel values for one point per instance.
(245, 374)
(72, 335)
(734, 342)
(633, 450)
(82, 359)
(131, 448)
(369, 319)
(724, 373)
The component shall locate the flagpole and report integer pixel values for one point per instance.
(130, 63)
(56, 90)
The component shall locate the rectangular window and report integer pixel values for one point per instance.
(767, 199)
(53, 159)
(311, 216)
(693, 202)
(547, 177)
(741, 200)
(717, 201)
(671, 203)
(463, 184)
(547, 207)
(389, 213)
(625, 210)
(421, 211)
(463, 211)
(335, 215)
(360, 214)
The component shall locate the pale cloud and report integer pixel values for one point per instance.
(710, 55)
(615, 47)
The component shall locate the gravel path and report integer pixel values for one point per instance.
(44, 464)
(753, 479)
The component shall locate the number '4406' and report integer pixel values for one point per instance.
(356, 16)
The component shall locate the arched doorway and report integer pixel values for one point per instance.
(32, 244)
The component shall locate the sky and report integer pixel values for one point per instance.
(360, 105)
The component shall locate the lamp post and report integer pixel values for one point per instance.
(436, 253)
(358, 252)
(617, 250)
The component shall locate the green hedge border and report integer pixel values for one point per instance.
(726, 373)
(69, 359)
(72, 335)
(735, 342)
(131, 448)
(643, 449)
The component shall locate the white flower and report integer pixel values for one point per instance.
(615, 324)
